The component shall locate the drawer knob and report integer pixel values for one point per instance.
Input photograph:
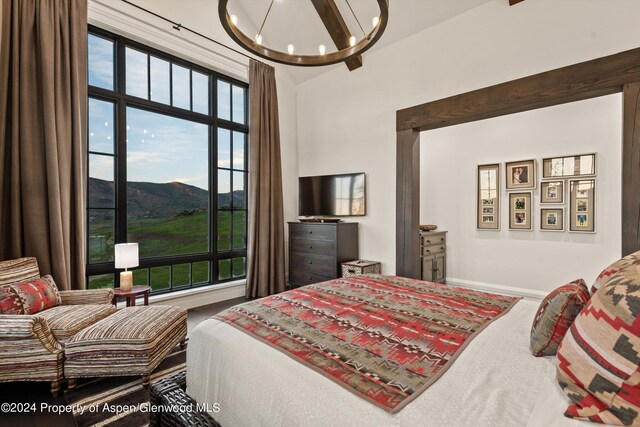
(310, 262)
(428, 251)
(310, 231)
(428, 242)
(441, 248)
(310, 246)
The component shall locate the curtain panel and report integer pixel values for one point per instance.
(43, 115)
(265, 252)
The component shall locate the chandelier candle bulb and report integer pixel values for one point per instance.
(234, 20)
(375, 21)
(290, 49)
(352, 41)
(321, 49)
(259, 39)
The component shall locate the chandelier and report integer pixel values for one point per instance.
(349, 45)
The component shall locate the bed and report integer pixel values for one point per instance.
(495, 381)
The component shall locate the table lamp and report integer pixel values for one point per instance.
(126, 257)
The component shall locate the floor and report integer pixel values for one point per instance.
(30, 404)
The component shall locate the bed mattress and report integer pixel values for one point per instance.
(494, 382)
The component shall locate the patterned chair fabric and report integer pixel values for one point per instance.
(143, 336)
(29, 350)
(18, 270)
(555, 315)
(67, 320)
(599, 358)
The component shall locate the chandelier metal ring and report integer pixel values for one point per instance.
(338, 56)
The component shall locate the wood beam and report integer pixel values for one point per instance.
(513, 2)
(408, 204)
(631, 169)
(337, 28)
(602, 76)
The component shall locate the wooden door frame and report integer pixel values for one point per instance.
(602, 76)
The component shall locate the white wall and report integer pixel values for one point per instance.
(528, 259)
(346, 121)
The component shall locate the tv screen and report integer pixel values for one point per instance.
(331, 195)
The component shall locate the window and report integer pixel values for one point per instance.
(167, 167)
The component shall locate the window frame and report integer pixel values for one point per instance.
(122, 101)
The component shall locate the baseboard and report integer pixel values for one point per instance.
(192, 298)
(528, 294)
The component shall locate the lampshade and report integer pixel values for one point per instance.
(126, 255)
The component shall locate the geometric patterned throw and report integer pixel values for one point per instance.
(384, 338)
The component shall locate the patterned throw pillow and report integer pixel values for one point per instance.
(555, 315)
(613, 269)
(37, 294)
(599, 358)
(10, 301)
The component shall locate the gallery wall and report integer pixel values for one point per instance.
(529, 259)
(346, 123)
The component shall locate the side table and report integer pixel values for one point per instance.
(131, 295)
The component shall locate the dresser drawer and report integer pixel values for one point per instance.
(320, 247)
(432, 249)
(432, 240)
(301, 278)
(313, 232)
(313, 263)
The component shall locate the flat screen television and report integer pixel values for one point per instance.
(332, 195)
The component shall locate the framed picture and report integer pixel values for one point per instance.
(552, 219)
(520, 174)
(552, 192)
(569, 166)
(582, 205)
(520, 211)
(488, 197)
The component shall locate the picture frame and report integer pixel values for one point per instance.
(552, 219)
(488, 197)
(521, 174)
(569, 166)
(582, 205)
(552, 192)
(520, 211)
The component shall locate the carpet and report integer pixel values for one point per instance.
(119, 401)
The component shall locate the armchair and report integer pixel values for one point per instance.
(32, 345)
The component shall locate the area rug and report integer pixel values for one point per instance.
(386, 339)
(119, 401)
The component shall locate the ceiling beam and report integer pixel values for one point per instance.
(601, 76)
(337, 28)
(512, 2)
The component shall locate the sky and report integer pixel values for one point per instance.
(161, 148)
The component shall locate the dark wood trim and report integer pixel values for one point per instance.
(602, 76)
(408, 204)
(337, 28)
(598, 77)
(631, 169)
(514, 2)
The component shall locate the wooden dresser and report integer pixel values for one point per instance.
(317, 249)
(433, 256)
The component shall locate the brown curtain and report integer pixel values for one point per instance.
(265, 252)
(43, 110)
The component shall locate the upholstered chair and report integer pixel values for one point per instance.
(33, 332)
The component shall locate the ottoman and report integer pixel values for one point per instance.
(132, 341)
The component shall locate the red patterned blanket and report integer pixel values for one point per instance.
(384, 338)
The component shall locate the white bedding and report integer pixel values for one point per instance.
(494, 382)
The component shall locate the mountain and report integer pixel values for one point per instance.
(153, 200)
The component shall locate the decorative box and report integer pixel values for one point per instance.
(360, 266)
